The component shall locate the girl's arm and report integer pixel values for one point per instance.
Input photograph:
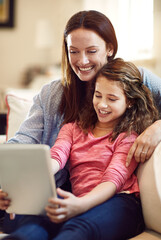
(113, 180)
(71, 205)
(55, 166)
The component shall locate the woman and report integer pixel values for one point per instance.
(89, 42)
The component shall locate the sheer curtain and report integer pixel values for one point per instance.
(133, 22)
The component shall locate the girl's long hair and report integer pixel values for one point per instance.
(74, 90)
(142, 112)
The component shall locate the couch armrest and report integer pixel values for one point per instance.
(149, 177)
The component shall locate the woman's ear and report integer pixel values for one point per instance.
(109, 50)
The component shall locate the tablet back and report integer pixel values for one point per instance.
(26, 175)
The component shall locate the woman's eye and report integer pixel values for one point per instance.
(73, 51)
(97, 96)
(92, 51)
(112, 99)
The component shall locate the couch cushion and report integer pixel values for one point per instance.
(147, 235)
(17, 111)
(149, 175)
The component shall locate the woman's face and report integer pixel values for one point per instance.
(87, 53)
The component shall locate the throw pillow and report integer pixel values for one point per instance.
(18, 109)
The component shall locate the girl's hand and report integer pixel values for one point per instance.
(145, 143)
(61, 210)
(4, 202)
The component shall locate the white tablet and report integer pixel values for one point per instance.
(26, 175)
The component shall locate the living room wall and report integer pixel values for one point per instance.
(18, 50)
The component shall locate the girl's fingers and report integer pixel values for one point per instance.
(55, 212)
(62, 193)
(12, 216)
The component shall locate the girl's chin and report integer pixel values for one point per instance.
(103, 120)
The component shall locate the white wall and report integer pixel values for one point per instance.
(157, 36)
(17, 45)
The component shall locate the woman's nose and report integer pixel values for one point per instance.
(83, 59)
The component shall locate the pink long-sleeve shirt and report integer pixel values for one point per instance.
(94, 160)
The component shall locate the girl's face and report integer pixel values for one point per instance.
(109, 102)
(87, 53)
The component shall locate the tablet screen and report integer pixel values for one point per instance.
(26, 175)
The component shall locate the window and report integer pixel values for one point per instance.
(133, 22)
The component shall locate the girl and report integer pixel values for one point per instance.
(104, 203)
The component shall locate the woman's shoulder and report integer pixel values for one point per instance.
(51, 92)
(54, 86)
(151, 80)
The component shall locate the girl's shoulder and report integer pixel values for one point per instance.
(71, 126)
(126, 138)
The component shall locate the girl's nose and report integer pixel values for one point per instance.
(103, 105)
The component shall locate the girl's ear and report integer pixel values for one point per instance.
(109, 50)
(130, 104)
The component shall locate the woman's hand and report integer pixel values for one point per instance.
(145, 143)
(61, 210)
(4, 201)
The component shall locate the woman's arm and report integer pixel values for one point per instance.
(146, 143)
(71, 205)
(42, 123)
(153, 82)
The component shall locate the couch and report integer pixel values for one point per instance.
(149, 173)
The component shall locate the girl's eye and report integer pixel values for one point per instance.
(112, 99)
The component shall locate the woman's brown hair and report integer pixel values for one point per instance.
(74, 89)
(141, 112)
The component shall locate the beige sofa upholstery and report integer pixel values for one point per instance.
(149, 176)
(149, 173)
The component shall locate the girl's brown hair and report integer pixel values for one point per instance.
(142, 111)
(74, 89)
